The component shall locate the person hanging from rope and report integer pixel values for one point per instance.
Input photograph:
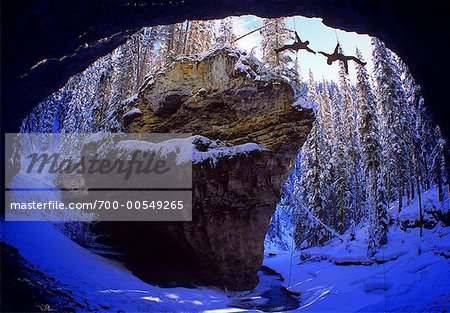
(296, 45)
(336, 55)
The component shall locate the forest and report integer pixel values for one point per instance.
(372, 142)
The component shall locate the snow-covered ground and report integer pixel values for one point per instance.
(97, 282)
(102, 282)
(406, 282)
(410, 273)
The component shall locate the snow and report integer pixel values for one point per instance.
(246, 63)
(132, 112)
(376, 284)
(130, 100)
(99, 280)
(305, 102)
(408, 274)
(243, 66)
(325, 286)
(214, 155)
(217, 149)
(44, 193)
(410, 213)
(187, 151)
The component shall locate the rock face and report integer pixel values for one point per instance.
(225, 96)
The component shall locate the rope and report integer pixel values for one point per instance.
(251, 32)
(296, 52)
(292, 244)
(295, 26)
(290, 260)
(292, 240)
(384, 279)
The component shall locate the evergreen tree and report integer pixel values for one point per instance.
(437, 164)
(420, 126)
(200, 37)
(311, 192)
(340, 202)
(348, 136)
(121, 62)
(274, 34)
(375, 206)
(391, 103)
(226, 36)
(313, 92)
(173, 37)
(142, 45)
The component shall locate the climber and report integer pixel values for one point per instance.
(343, 58)
(297, 45)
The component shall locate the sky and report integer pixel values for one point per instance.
(321, 38)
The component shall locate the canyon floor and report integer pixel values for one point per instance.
(410, 273)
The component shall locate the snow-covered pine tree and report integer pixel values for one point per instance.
(286, 216)
(311, 193)
(274, 34)
(391, 102)
(142, 46)
(375, 204)
(226, 36)
(438, 167)
(324, 112)
(313, 188)
(200, 37)
(121, 78)
(313, 92)
(340, 195)
(348, 136)
(326, 175)
(420, 125)
(172, 37)
(419, 131)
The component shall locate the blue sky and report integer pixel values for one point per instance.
(321, 38)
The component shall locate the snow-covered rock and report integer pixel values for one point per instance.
(246, 133)
(131, 113)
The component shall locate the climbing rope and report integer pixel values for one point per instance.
(292, 237)
(296, 52)
(251, 32)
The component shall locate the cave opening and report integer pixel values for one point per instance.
(132, 77)
(107, 90)
(156, 258)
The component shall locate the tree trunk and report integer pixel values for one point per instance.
(419, 207)
(358, 199)
(427, 172)
(388, 188)
(408, 194)
(179, 39)
(138, 65)
(419, 197)
(185, 37)
(440, 190)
